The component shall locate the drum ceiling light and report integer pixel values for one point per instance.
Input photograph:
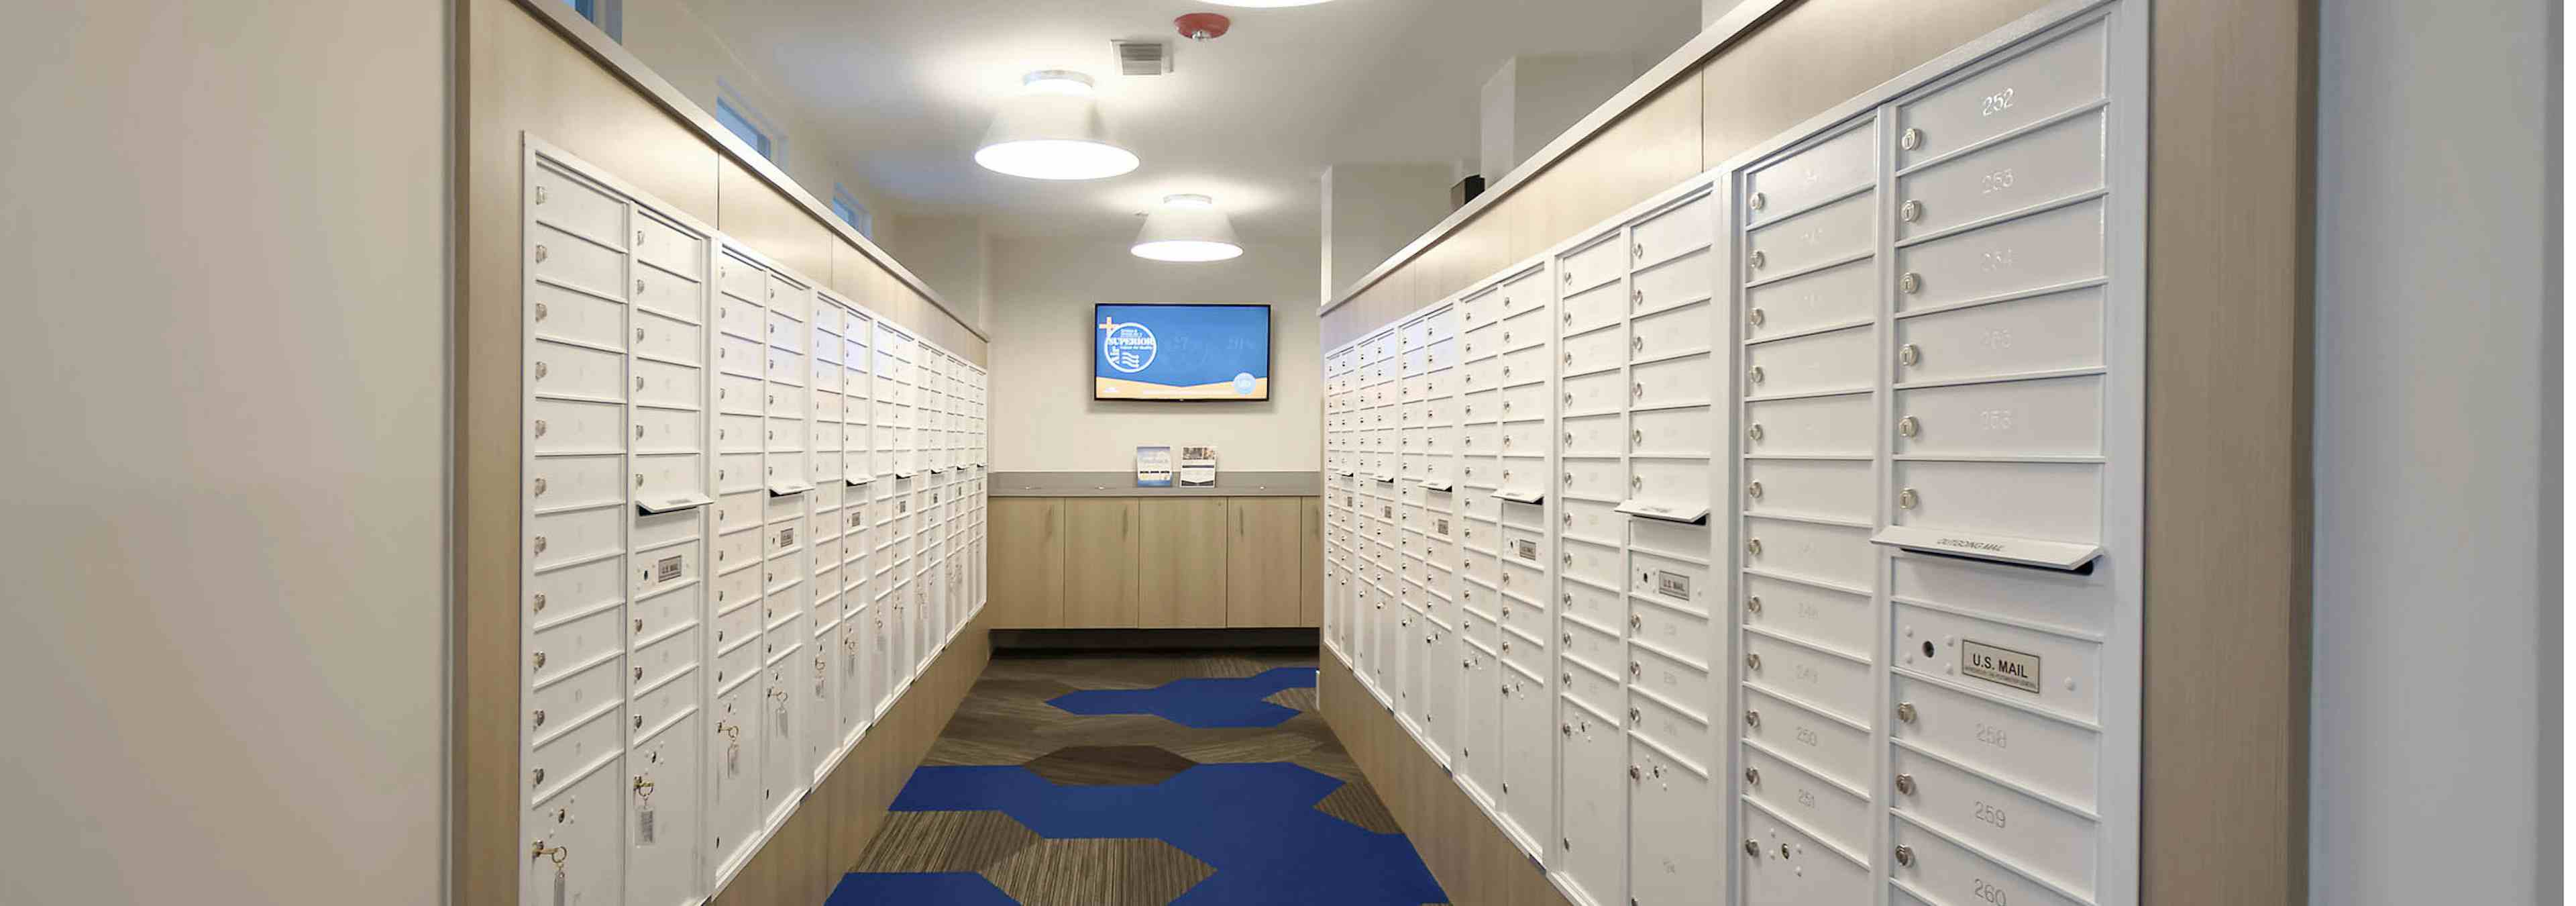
(1052, 130)
(1187, 228)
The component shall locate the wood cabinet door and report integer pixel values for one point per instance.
(1181, 561)
(1099, 562)
(1027, 535)
(1265, 548)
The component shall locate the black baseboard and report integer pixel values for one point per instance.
(1285, 639)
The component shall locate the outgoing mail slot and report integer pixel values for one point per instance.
(1844, 163)
(735, 550)
(1671, 817)
(1835, 748)
(1601, 262)
(1592, 521)
(2053, 757)
(1592, 479)
(1670, 432)
(2051, 672)
(1678, 282)
(665, 657)
(1831, 682)
(1604, 349)
(2078, 603)
(2062, 75)
(737, 355)
(1945, 872)
(566, 646)
(1830, 809)
(1592, 310)
(1843, 489)
(2042, 333)
(1815, 426)
(1817, 363)
(1594, 563)
(2060, 160)
(1683, 229)
(1794, 869)
(669, 481)
(1669, 581)
(558, 482)
(1676, 633)
(1597, 690)
(1671, 333)
(2059, 502)
(1681, 686)
(740, 510)
(1674, 489)
(1820, 236)
(555, 539)
(556, 369)
(556, 707)
(739, 395)
(1593, 647)
(1833, 554)
(667, 247)
(1839, 296)
(667, 385)
(2026, 832)
(563, 259)
(1836, 620)
(2061, 245)
(663, 339)
(2055, 417)
(562, 314)
(737, 472)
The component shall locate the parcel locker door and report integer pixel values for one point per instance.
(1594, 782)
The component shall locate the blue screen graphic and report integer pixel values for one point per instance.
(1180, 352)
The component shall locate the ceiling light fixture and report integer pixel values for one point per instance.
(1052, 130)
(1187, 228)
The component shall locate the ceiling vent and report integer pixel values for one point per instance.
(1143, 58)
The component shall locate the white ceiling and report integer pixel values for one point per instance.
(1252, 118)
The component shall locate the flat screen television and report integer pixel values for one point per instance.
(1180, 353)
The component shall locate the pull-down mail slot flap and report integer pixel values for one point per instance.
(1435, 484)
(1686, 515)
(784, 489)
(672, 504)
(2061, 555)
(1532, 498)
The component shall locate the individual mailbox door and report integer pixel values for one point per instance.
(1842, 360)
(1829, 681)
(2055, 417)
(1672, 820)
(1529, 759)
(1783, 866)
(1838, 489)
(1593, 781)
(1839, 814)
(1844, 425)
(1834, 747)
(2045, 501)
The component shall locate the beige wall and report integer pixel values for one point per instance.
(1043, 416)
(225, 380)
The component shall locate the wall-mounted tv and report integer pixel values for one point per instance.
(1180, 352)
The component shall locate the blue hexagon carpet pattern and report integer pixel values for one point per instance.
(1199, 702)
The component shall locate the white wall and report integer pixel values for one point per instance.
(224, 228)
(1042, 416)
(2436, 529)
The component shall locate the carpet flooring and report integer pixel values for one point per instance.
(1108, 780)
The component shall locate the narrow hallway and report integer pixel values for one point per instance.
(1105, 780)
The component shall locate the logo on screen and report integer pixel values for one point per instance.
(1129, 347)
